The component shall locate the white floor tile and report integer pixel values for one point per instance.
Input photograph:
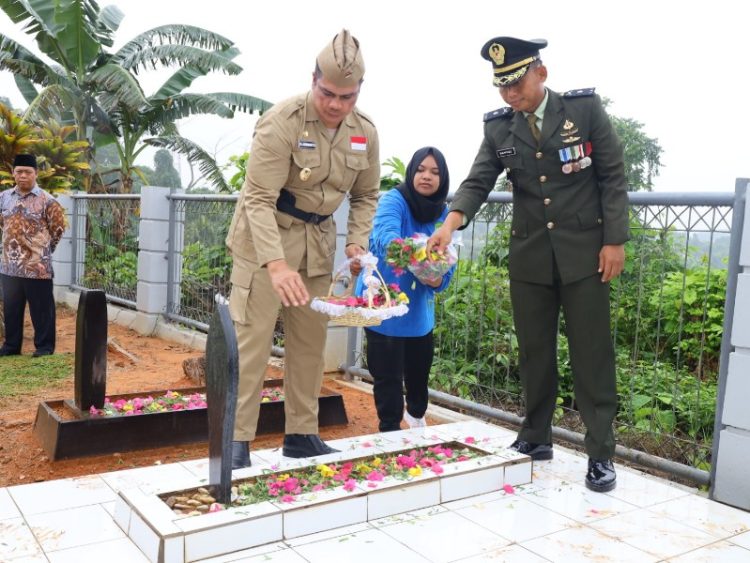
(578, 503)
(280, 556)
(478, 431)
(719, 520)
(644, 491)
(328, 534)
(584, 545)
(114, 551)
(722, 551)
(515, 518)
(16, 540)
(363, 547)
(31, 559)
(199, 467)
(453, 532)
(73, 527)
(8, 508)
(510, 554)
(652, 533)
(150, 479)
(743, 540)
(249, 554)
(50, 496)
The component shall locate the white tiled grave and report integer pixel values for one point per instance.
(165, 537)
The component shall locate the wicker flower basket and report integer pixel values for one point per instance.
(342, 311)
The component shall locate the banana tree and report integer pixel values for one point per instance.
(98, 90)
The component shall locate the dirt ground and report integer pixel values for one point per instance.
(149, 364)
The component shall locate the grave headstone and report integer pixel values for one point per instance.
(222, 375)
(90, 375)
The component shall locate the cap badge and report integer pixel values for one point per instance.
(497, 53)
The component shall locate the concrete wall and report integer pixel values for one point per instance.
(731, 484)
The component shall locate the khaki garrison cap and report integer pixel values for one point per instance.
(341, 61)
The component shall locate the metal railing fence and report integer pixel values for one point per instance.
(667, 314)
(667, 307)
(105, 244)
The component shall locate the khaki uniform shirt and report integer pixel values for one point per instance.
(292, 149)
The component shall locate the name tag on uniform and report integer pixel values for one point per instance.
(306, 144)
(508, 151)
(359, 143)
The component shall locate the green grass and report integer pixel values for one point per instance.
(20, 375)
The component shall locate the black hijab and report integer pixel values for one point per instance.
(425, 209)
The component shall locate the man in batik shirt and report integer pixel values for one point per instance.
(32, 222)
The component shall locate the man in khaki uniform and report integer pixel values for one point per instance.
(308, 153)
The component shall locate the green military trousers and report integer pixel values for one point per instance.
(536, 315)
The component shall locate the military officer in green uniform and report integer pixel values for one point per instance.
(569, 226)
(308, 153)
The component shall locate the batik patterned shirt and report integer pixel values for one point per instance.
(32, 225)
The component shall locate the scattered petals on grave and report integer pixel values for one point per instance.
(170, 401)
(287, 486)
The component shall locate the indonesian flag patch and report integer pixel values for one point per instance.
(359, 143)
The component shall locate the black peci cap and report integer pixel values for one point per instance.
(511, 57)
(24, 160)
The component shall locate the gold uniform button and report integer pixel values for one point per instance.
(550, 225)
(547, 201)
(539, 156)
(542, 179)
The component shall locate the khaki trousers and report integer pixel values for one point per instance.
(304, 343)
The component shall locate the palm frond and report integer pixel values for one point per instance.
(19, 60)
(49, 104)
(26, 87)
(185, 105)
(186, 75)
(182, 55)
(120, 85)
(195, 155)
(111, 17)
(242, 102)
(174, 34)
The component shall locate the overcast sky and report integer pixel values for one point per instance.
(680, 68)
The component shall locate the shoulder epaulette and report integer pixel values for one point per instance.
(364, 116)
(579, 93)
(498, 113)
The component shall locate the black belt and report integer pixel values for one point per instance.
(286, 203)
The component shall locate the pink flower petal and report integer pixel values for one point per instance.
(509, 489)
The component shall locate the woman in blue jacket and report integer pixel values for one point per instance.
(400, 350)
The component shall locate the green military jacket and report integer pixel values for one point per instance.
(558, 218)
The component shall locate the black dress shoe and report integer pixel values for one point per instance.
(305, 445)
(601, 476)
(240, 455)
(38, 353)
(7, 352)
(537, 452)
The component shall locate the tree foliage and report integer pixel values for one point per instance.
(97, 89)
(61, 159)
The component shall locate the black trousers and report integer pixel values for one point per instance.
(395, 362)
(16, 292)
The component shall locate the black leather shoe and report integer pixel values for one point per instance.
(6, 352)
(39, 353)
(601, 476)
(305, 445)
(240, 455)
(537, 452)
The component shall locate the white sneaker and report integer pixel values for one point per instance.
(414, 422)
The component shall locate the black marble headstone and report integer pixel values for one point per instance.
(91, 350)
(222, 375)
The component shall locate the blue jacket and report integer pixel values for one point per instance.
(394, 220)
